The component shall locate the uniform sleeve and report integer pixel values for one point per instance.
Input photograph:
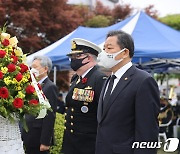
(147, 105)
(49, 120)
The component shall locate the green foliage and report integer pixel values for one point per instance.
(172, 21)
(175, 76)
(99, 21)
(3, 29)
(59, 131)
(160, 77)
(163, 76)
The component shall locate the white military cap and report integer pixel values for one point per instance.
(83, 46)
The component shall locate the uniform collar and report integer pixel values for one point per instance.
(86, 72)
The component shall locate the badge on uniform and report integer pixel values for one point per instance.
(84, 109)
(85, 95)
(88, 87)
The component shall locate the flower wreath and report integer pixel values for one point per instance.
(17, 93)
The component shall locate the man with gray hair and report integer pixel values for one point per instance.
(39, 137)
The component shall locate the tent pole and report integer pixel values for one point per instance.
(152, 72)
(140, 61)
(167, 84)
(55, 71)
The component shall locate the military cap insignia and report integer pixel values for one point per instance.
(73, 45)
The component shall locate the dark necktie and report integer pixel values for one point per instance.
(108, 92)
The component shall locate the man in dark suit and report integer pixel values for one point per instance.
(129, 102)
(82, 99)
(39, 137)
(61, 104)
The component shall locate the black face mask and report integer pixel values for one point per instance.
(77, 63)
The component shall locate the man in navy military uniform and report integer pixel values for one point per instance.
(82, 99)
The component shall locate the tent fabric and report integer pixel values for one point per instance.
(152, 40)
(162, 65)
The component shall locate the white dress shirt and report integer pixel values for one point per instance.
(41, 81)
(86, 72)
(119, 73)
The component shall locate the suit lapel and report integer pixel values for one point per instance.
(100, 104)
(90, 72)
(82, 85)
(43, 84)
(121, 85)
(73, 83)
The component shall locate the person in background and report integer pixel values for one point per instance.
(60, 105)
(166, 115)
(40, 133)
(178, 105)
(129, 102)
(82, 99)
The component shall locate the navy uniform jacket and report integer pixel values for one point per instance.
(131, 115)
(41, 130)
(81, 113)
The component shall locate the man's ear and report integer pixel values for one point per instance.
(126, 53)
(46, 69)
(123, 54)
(89, 57)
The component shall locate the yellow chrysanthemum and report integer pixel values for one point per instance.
(27, 75)
(4, 70)
(24, 79)
(35, 94)
(18, 68)
(5, 36)
(18, 88)
(24, 58)
(18, 51)
(7, 80)
(14, 81)
(20, 94)
(13, 41)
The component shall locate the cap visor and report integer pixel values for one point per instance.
(74, 52)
